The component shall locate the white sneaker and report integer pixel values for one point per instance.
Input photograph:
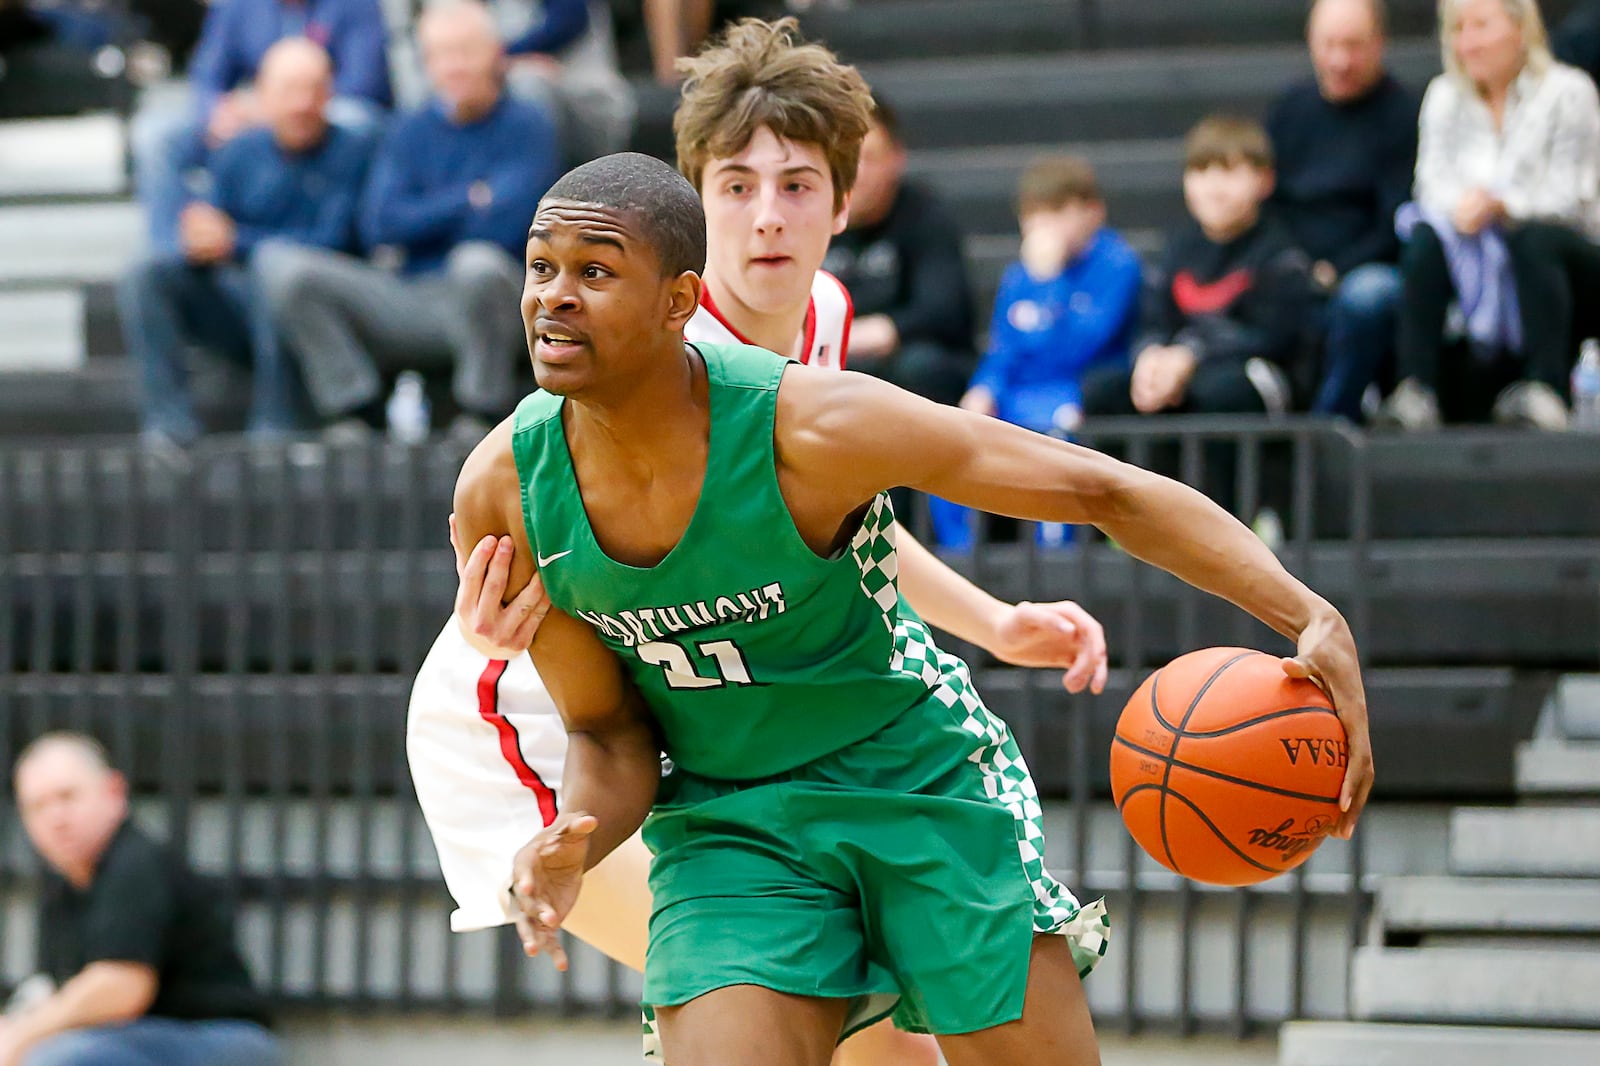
(1412, 407)
(1532, 403)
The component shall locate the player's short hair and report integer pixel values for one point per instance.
(765, 74)
(1227, 140)
(83, 743)
(1056, 181)
(666, 206)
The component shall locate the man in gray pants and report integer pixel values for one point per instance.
(452, 190)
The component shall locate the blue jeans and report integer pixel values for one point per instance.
(166, 303)
(161, 1042)
(1361, 321)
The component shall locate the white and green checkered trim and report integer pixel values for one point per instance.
(1006, 780)
(873, 548)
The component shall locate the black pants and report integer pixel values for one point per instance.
(1215, 389)
(1551, 264)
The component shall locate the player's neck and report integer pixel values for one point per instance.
(648, 412)
(777, 332)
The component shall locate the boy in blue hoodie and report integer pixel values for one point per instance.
(1070, 303)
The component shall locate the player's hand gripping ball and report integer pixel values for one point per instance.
(1227, 770)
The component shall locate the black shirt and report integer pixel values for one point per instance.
(1578, 40)
(1233, 302)
(1343, 170)
(909, 266)
(145, 906)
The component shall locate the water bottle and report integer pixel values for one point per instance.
(1586, 388)
(408, 409)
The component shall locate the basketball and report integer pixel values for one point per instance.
(1227, 770)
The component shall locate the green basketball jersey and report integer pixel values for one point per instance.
(755, 654)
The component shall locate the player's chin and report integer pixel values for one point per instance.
(563, 379)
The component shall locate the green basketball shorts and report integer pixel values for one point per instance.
(904, 872)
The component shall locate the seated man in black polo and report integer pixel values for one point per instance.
(141, 951)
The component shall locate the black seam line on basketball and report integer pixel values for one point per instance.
(1202, 816)
(1155, 709)
(1268, 717)
(1219, 775)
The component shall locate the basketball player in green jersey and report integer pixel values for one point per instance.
(774, 180)
(844, 823)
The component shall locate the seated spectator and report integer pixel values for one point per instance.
(1507, 201)
(1577, 40)
(562, 56)
(452, 189)
(1068, 306)
(1345, 145)
(294, 180)
(901, 261)
(677, 28)
(141, 951)
(1221, 327)
(172, 139)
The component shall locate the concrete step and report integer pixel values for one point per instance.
(68, 242)
(1574, 708)
(1432, 905)
(78, 156)
(1387, 1044)
(1565, 769)
(43, 330)
(1526, 842)
(1520, 986)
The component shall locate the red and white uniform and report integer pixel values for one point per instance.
(483, 737)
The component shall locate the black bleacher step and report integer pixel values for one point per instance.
(1450, 602)
(355, 726)
(920, 29)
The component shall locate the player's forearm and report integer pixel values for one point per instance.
(612, 776)
(1170, 525)
(943, 598)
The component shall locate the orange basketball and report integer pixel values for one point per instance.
(1226, 769)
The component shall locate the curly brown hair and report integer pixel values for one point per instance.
(765, 74)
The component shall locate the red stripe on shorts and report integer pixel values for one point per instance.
(510, 743)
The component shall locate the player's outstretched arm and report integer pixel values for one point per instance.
(613, 763)
(842, 438)
(1060, 634)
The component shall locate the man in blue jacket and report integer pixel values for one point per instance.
(452, 190)
(171, 142)
(294, 180)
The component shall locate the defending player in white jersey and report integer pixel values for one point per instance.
(769, 130)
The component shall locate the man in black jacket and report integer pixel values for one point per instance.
(141, 952)
(901, 262)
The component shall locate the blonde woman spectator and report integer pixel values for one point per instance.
(1509, 145)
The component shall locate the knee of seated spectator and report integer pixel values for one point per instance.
(1421, 248)
(1369, 289)
(80, 1047)
(161, 129)
(283, 271)
(151, 276)
(474, 263)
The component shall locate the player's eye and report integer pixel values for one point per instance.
(738, 188)
(592, 272)
(539, 267)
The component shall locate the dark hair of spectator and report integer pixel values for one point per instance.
(886, 118)
(1227, 140)
(1056, 181)
(658, 198)
(86, 745)
(1380, 14)
(764, 74)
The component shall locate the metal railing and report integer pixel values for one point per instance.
(240, 625)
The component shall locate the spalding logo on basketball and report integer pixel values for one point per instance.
(1226, 769)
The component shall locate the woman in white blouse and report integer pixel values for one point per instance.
(1509, 143)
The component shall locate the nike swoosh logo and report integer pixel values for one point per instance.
(546, 560)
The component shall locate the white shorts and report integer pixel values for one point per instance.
(486, 747)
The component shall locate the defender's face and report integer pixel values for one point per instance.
(769, 218)
(593, 298)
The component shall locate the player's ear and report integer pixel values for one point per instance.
(841, 217)
(683, 298)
